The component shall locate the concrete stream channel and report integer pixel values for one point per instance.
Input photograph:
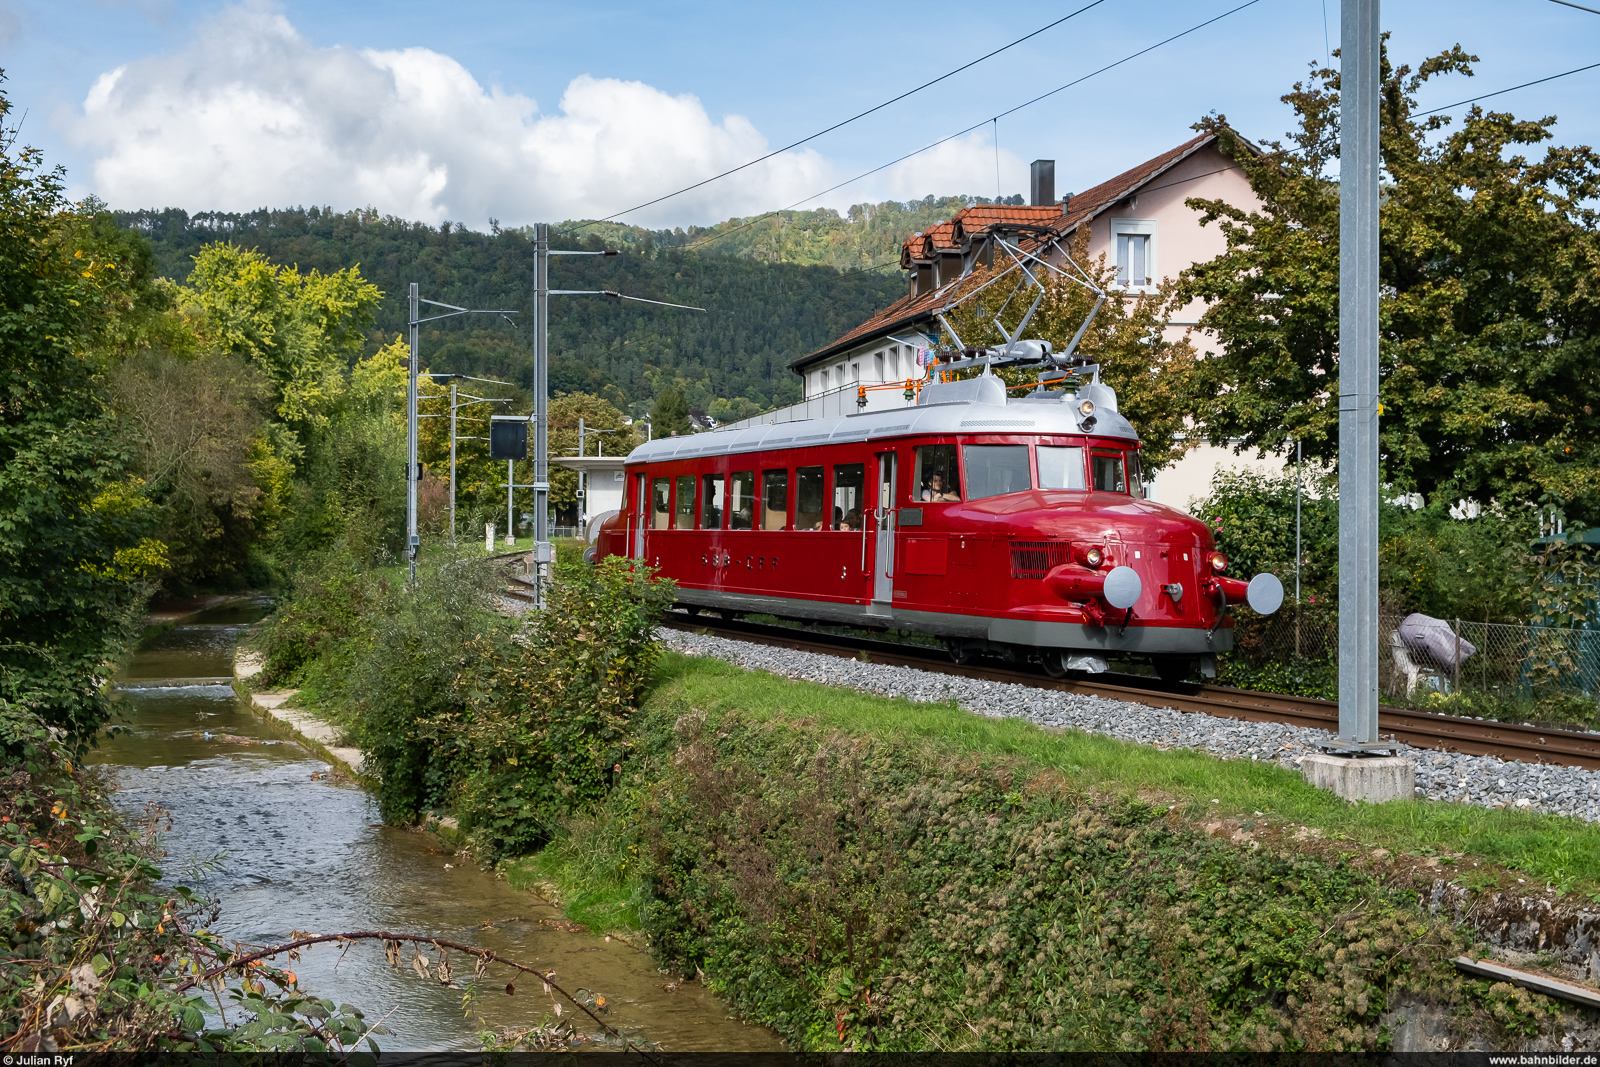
(260, 825)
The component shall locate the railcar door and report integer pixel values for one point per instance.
(641, 502)
(883, 516)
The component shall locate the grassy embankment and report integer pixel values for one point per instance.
(857, 871)
(870, 873)
(1481, 845)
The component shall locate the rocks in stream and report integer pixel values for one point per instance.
(1483, 780)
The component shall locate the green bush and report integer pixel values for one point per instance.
(328, 605)
(508, 724)
(544, 718)
(400, 696)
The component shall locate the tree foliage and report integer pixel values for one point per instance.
(75, 545)
(761, 314)
(670, 416)
(1489, 312)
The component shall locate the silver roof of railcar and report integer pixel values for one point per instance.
(975, 405)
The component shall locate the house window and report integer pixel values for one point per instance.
(1135, 241)
(877, 359)
(1131, 259)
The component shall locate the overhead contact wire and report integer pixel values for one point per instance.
(974, 126)
(853, 118)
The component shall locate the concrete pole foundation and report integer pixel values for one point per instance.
(1374, 779)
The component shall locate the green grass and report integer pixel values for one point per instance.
(590, 870)
(1560, 851)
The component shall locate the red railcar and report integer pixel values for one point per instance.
(1015, 527)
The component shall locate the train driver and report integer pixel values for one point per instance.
(936, 491)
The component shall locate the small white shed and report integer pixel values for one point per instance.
(603, 482)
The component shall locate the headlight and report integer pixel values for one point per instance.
(1086, 408)
(1219, 562)
(1093, 556)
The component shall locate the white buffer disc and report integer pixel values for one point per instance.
(1123, 587)
(1265, 594)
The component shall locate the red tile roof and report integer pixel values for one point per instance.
(956, 234)
(1092, 201)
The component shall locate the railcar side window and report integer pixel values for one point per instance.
(938, 479)
(1108, 472)
(774, 500)
(1060, 468)
(661, 504)
(849, 495)
(809, 496)
(742, 500)
(994, 470)
(684, 517)
(1135, 475)
(711, 502)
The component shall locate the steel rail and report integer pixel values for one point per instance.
(1419, 729)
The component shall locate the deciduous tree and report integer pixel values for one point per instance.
(1490, 297)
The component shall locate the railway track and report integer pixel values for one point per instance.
(1420, 729)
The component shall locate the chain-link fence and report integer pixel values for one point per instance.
(1500, 669)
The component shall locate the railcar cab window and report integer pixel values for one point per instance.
(809, 497)
(684, 517)
(1060, 468)
(849, 495)
(937, 478)
(1135, 475)
(774, 500)
(661, 504)
(711, 502)
(1109, 475)
(742, 500)
(995, 470)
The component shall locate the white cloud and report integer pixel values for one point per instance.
(963, 165)
(251, 115)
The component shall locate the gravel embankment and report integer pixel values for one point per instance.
(1482, 780)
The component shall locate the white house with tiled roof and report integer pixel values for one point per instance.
(1137, 220)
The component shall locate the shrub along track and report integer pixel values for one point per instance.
(1417, 728)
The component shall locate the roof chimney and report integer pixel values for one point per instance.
(1042, 182)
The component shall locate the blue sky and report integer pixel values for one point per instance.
(526, 111)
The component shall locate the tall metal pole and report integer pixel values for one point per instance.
(452, 462)
(511, 481)
(1298, 482)
(583, 480)
(412, 540)
(542, 549)
(1358, 374)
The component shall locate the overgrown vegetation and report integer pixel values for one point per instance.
(94, 954)
(507, 724)
(865, 873)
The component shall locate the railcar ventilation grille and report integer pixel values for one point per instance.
(1035, 559)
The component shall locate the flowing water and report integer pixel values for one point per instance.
(259, 826)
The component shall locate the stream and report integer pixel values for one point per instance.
(259, 826)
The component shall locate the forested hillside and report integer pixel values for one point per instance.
(867, 237)
(773, 289)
